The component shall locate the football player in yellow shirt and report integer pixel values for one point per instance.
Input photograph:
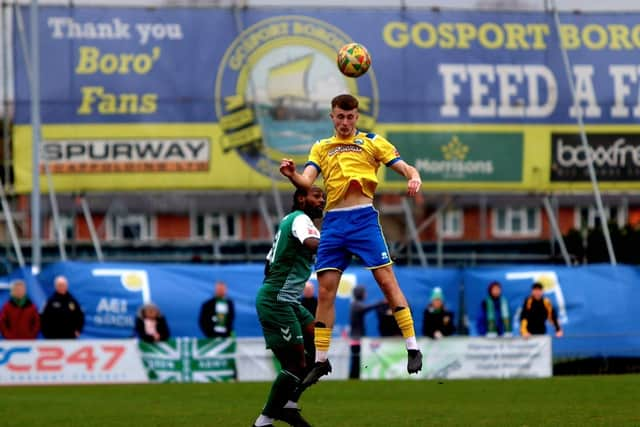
(349, 161)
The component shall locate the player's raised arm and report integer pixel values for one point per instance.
(300, 180)
(413, 177)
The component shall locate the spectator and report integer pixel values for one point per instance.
(19, 319)
(387, 325)
(217, 314)
(437, 321)
(151, 325)
(62, 316)
(357, 312)
(536, 310)
(494, 318)
(309, 299)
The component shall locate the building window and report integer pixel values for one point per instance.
(516, 222)
(587, 217)
(451, 223)
(218, 226)
(68, 228)
(131, 227)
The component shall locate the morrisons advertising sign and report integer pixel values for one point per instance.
(460, 156)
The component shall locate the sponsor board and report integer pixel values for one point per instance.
(461, 156)
(616, 156)
(460, 358)
(126, 155)
(190, 360)
(70, 362)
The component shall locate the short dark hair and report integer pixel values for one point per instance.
(537, 285)
(300, 192)
(345, 102)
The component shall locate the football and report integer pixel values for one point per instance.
(353, 60)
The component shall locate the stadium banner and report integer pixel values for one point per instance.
(70, 362)
(111, 293)
(255, 363)
(593, 326)
(459, 358)
(190, 360)
(139, 98)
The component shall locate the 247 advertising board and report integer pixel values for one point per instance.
(70, 362)
(136, 99)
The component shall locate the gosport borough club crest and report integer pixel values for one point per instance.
(274, 87)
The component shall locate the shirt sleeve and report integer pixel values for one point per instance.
(386, 152)
(314, 157)
(303, 228)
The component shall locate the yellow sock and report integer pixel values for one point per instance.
(322, 339)
(405, 322)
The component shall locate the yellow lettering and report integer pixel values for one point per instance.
(539, 31)
(488, 42)
(619, 35)
(569, 36)
(466, 33)
(447, 38)
(601, 37)
(88, 61)
(89, 94)
(395, 34)
(635, 35)
(107, 104)
(108, 63)
(515, 36)
(128, 103)
(149, 103)
(431, 36)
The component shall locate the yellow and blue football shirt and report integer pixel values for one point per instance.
(341, 161)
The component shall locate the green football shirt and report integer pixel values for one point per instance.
(289, 260)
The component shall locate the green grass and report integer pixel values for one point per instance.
(561, 401)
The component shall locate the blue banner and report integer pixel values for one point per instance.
(596, 305)
(175, 65)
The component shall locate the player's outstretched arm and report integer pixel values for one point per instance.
(411, 174)
(300, 180)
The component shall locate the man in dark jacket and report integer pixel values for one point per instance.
(217, 314)
(62, 316)
(437, 321)
(494, 318)
(357, 312)
(536, 310)
(19, 319)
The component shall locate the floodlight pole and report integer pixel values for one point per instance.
(555, 228)
(585, 143)
(36, 248)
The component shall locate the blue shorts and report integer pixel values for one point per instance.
(351, 232)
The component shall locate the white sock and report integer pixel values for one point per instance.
(263, 420)
(291, 404)
(321, 356)
(412, 344)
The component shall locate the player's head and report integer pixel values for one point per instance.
(344, 114)
(220, 289)
(537, 290)
(495, 290)
(18, 289)
(311, 201)
(61, 284)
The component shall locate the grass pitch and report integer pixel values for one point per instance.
(561, 401)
